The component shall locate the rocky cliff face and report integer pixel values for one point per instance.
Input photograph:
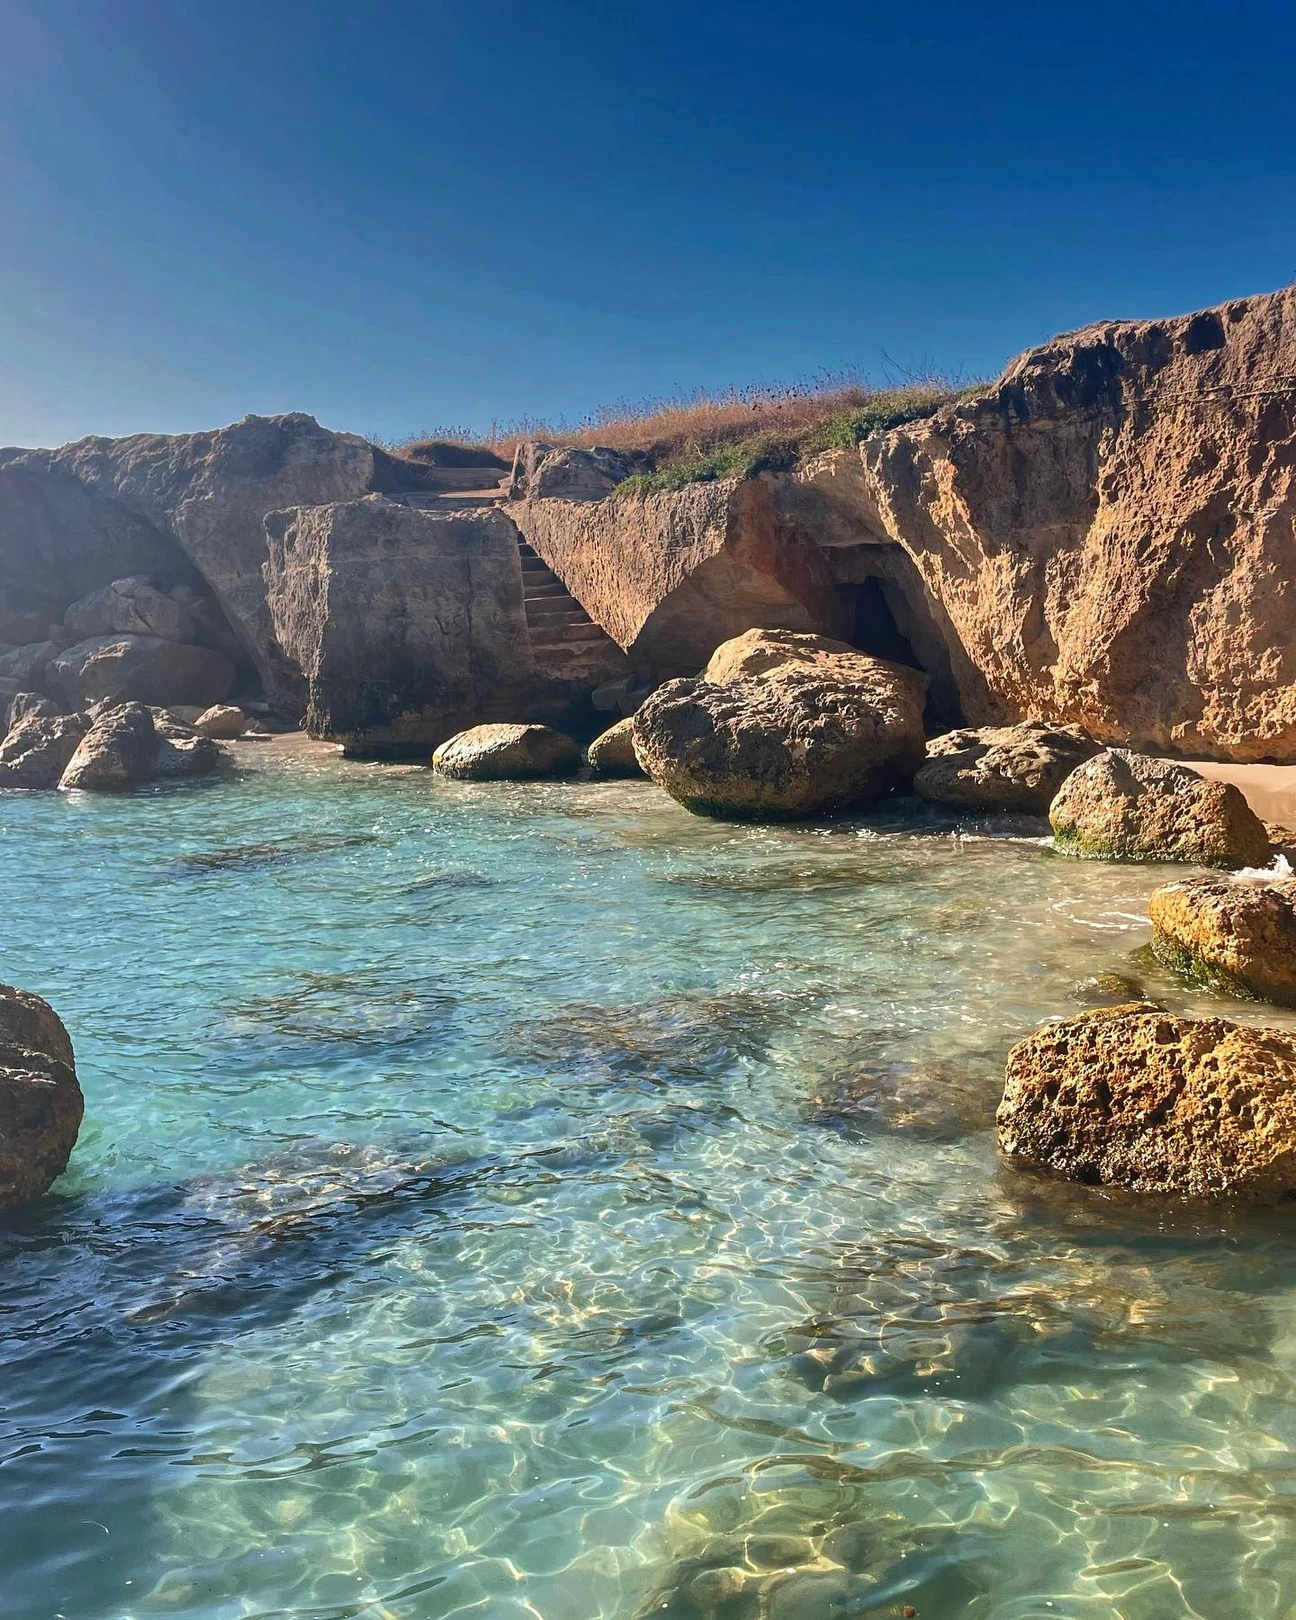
(670, 576)
(184, 506)
(1107, 536)
(409, 625)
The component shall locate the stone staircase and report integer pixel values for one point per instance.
(555, 619)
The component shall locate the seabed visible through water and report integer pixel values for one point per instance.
(537, 1202)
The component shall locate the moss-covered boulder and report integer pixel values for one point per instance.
(1123, 806)
(1133, 1097)
(1239, 937)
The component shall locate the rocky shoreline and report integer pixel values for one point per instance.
(1019, 604)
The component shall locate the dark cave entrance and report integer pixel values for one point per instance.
(888, 617)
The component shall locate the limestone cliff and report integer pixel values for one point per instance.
(410, 625)
(1107, 535)
(72, 520)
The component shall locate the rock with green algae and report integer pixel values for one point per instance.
(1239, 936)
(1135, 1097)
(1124, 806)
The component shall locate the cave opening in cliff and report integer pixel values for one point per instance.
(888, 617)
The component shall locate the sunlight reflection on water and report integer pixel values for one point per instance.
(536, 1201)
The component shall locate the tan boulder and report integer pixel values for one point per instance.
(783, 725)
(1136, 1098)
(115, 753)
(1130, 807)
(1017, 768)
(497, 753)
(224, 721)
(38, 750)
(1239, 936)
(612, 753)
(41, 1106)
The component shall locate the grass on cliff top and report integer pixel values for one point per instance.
(702, 436)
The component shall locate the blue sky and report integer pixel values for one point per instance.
(404, 216)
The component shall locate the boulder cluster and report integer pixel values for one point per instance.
(135, 640)
(109, 748)
(130, 688)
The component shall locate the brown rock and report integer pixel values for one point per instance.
(40, 1100)
(612, 753)
(25, 704)
(500, 753)
(140, 669)
(1140, 1099)
(223, 720)
(1130, 807)
(182, 752)
(1239, 936)
(131, 606)
(411, 625)
(38, 750)
(116, 752)
(815, 727)
(1018, 768)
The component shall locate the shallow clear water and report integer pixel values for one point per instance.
(536, 1201)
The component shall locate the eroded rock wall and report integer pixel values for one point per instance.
(409, 625)
(671, 575)
(1108, 534)
(196, 500)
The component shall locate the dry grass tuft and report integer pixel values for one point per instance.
(711, 435)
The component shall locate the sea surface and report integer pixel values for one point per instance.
(533, 1201)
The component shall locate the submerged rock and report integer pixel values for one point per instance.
(613, 754)
(783, 725)
(1136, 1098)
(223, 720)
(497, 753)
(1239, 936)
(40, 1100)
(1130, 807)
(1003, 767)
(38, 750)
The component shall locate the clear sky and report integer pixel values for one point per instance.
(400, 216)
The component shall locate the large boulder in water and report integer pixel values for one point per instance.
(783, 724)
(1133, 1097)
(500, 753)
(1019, 768)
(40, 1100)
(39, 749)
(612, 753)
(140, 669)
(1238, 936)
(1131, 807)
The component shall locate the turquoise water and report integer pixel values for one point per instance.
(536, 1202)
